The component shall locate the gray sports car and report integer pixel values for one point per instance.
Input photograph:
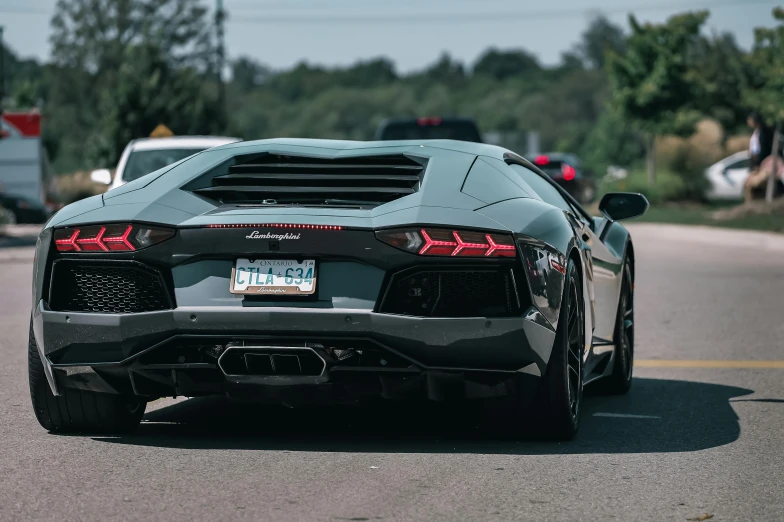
(297, 271)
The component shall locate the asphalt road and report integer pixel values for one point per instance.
(700, 434)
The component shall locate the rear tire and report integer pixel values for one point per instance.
(554, 411)
(78, 410)
(620, 380)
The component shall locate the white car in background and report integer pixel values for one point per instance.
(726, 177)
(146, 155)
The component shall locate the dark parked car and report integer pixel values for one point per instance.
(24, 210)
(568, 172)
(434, 128)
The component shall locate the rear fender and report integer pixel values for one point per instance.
(538, 222)
(609, 258)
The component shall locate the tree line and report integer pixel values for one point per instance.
(118, 69)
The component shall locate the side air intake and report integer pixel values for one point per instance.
(440, 292)
(272, 179)
(107, 287)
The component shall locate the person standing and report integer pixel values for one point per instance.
(760, 148)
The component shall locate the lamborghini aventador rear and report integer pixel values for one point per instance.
(293, 271)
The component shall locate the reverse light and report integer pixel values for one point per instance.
(123, 237)
(428, 241)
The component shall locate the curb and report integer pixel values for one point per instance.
(717, 236)
(17, 255)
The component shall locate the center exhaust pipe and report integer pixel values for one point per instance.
(272, 363)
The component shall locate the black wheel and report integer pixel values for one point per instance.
(554, 410)
(78, 410)
(620, 380)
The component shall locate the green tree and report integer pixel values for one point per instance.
(149, 91)
(123, 66)
(94, 34)
(719, 71)
(573, 106)
(611, 141)
(247, 73)
(571, 61)
(650, 83)
(22, 81)
(767, 94)
(445, 70)
(601, 37)
(367, 73)
(506, 64)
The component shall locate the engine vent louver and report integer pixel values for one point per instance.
(296, 180)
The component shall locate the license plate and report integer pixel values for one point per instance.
(273, 277)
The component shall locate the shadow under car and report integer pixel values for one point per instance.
(658, 415)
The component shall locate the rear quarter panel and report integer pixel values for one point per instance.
(535, 219)
(607, 260)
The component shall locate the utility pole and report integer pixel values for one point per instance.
(2, 71)
(770, 189)
(220, 18)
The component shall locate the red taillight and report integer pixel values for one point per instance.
(120, 243)
(468, 245)
(499, 249)
(449, 243)
(277, 225)
(93, 242)
(437, 247)
(542, 160)
(109, 238)
(67, 244)
(568, 172)
(424, 122)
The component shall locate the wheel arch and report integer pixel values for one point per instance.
(574, 255)
(587, 299)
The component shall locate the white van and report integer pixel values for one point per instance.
(24, 168)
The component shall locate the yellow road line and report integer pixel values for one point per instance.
(676, 363)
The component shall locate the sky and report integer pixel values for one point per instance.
(413, 33)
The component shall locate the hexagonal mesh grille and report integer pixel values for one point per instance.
(116, 288)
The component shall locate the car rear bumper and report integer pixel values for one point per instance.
(101, 352)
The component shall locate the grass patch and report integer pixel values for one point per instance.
(673, 200)
(668, 186)
(694, 214)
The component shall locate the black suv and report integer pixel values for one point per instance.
(433, 128)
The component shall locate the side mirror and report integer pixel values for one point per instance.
(102, 176)
(623, 205)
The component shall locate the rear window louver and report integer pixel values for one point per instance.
(273, 179)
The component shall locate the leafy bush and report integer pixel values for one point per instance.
(669, 186)
(76, 186)
(6, 218)
(612, 141)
